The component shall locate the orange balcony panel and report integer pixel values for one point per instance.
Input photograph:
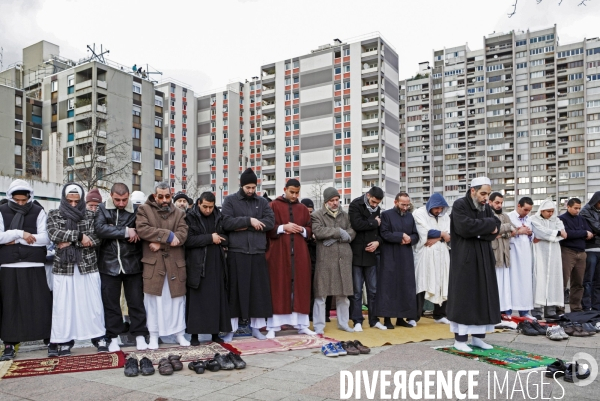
(337, 109)
(288, 73)
(225, 101)
(257, 168)
(337, 60)
(296, 164)
(225, 154)
(347, 141)
(297, 132)
(346, 91)
(347, 75)
(225, 127)
(172, 162)
(347, 124)
(338, 125)
(183, 152)
(296, 70)
(172, 122)
(172, 149)
(337, 77)
(296, 116)
(241, 118)
(347, 174)
(347, 58)
(288, 133)
(338, 158)
(257, 91)
(288, 102)
(184, 99)
(251, 93)
(183, 125)
(172, 108)
(252, 156)
(346, 108)
(184, 178)
(213, 130)
(225, 167)
(184, 112)
(337, 93)
(338, 175)
(252, 130)
(287, 87)
(296, 101)
(225, 193)
(225, 140)
(172, 176)
(173, 136)
(213, 168)
(183, 165)
(288, 149)
(338, 142)
(347, 190)
(225, 115)
(213, 117)
(172, 95)
(257, 142)
(348, 157)
(296, 86)
(288, 118)
(225, 179)
(288, 165)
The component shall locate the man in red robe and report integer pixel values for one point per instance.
(289, 262)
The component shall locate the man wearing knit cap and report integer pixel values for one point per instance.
(182, 201)
(289, 262)
(93, 199)
(333, 272)
(248, 218)
(473, 301)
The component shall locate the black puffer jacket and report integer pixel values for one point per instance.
(592, 216)
(367, 230)
(197, 241)
(116, 254)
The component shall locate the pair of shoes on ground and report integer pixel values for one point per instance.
(579, 330)
(358, 327)
(531, 328)
(343, 348)
(219, 362)
(55, 350)
(560, 368)
(132, 368)
(556, 333)
(9, 353)
(409, 324)
(170, 364)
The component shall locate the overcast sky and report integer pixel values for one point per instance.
(209, 44)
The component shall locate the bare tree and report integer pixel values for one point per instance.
(514, 6)
(33, 158)
(316, 189)
(192, 189)
(99, 158)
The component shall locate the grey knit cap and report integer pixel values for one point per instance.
(330, 193)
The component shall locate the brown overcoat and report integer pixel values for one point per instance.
(501, 245)
(333, 270)
(155, 225)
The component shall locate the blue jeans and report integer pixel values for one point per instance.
(368, 276)
(521, 312)
(591, 282)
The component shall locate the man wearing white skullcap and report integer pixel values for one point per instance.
(473, 301)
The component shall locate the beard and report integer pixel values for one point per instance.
(497, 211)
(480, 206)
(165, 207)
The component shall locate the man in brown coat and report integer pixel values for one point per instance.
(333, 270)
(163, 229)
(501, 247)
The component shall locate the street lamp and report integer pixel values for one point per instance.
(221, 188)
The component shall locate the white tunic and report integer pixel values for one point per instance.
(165, 315)
(77, 311)
(548, 273)
(432, 263)
(503, 277)
(521, 266)
(297, 320)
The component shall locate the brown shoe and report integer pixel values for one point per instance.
(569, 328)
(361, 348)
(164, 367)
(175, 362)
(350, 348)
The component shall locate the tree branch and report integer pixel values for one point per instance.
(514, 11)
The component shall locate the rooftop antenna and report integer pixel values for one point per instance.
(146, 74)
(98, 56)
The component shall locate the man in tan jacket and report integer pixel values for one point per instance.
(501, 247)
(163, 229)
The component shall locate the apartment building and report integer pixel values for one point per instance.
(519, 111)
(179, 127)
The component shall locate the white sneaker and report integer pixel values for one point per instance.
(114, 345)
(442, 321)
(358, 327)
(380, 326)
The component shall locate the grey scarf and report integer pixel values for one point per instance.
(369, 208)
(72, 215)
(20, 212)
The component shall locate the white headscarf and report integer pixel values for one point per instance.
(19, 185)
(547, 204)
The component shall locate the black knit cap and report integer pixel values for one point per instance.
(307, 202)
(248, 177)
(180, 195)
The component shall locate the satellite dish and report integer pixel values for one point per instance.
(365, 66)
(496, 56)
(270, 132)
(473, 80)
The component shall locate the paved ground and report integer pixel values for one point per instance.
(306, 375)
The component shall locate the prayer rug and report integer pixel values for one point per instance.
(508, 358)
(203, 351)
(67, 364)
(290, 342)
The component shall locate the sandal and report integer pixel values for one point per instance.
(197, 366)
(212, 365)
(164, 367)
(175, 362)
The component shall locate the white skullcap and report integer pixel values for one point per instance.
(73, 189)
(137, 197)
(480, 181)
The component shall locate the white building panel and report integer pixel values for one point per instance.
(317, 157)
(318, 125)
(315, 94)
(318, 61)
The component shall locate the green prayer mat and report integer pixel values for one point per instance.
(511, 359)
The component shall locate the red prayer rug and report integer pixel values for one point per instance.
(252, 346)
(66, 364)
(203, 351)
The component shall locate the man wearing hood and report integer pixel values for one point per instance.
(248, 217)
(364, 215)
(119, 264)
(548, 272)
(501, 247)
(591, 279)
(207, 309)
(77, 312)
(182, 201)
(25, 299)
(289, 262)
(432, 256)
(473, 303)
(396, 287)
(163, 230)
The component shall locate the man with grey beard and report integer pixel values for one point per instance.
(473, 301)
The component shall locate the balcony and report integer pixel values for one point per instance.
(83, 85)
(372, 155)
(268, 166)
(268, 152)
(83, 109)
(268, 121)
(369, 121)
(369, 70)
(368, 138)
(268, 138)
(88, 134)
(101, 84)
(369, 54)
(268, 183)
(268, 77)
(370, 104)
(370, 87)
(101, 108)
(268, 107)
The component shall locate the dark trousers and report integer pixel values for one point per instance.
(573, 263)
(368, 276)
(439, 311)
(591, 282)
(111, 299)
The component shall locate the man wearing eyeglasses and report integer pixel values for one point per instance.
(163, 230)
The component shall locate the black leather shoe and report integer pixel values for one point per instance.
(538, 327)
(526, 328)
(403, 323)
(212, 365)
(197, 366)
(224, 362)
(387, 322)
(237, 360)
(131, 367)
(52, 350)
(146, 367)
(557, 368)
(9, 353)
(575, 367)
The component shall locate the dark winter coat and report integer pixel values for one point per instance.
(396, 285)
(116, 254)
(197, 241)
(592, 216)
(577, 229)
(473, 289)
(237, 211)
(155, 225)
(367, 230)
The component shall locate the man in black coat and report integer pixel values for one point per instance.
(207, 309)
(364, 218)
(119, 264)
(247, 218)
(591, 280)
(473, 301)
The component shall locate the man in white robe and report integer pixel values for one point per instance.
(432, 256)
(548, 272)
(521, 259)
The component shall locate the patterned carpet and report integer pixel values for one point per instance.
(205, 351)
(252, 346)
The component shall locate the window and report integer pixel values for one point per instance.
(594, 77)
(18, 125)
(136, 156)
(158, 122)
(593, 103)
(157, 142)
(71, 80)
(137, 111)
(521, 43)
(569, 53)
(346, 52)
(158, 164)
(573, 77)
(70, 104)
(137, 88)
(521, 65)
(347, 85)
(135, 133)
(346, 151)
